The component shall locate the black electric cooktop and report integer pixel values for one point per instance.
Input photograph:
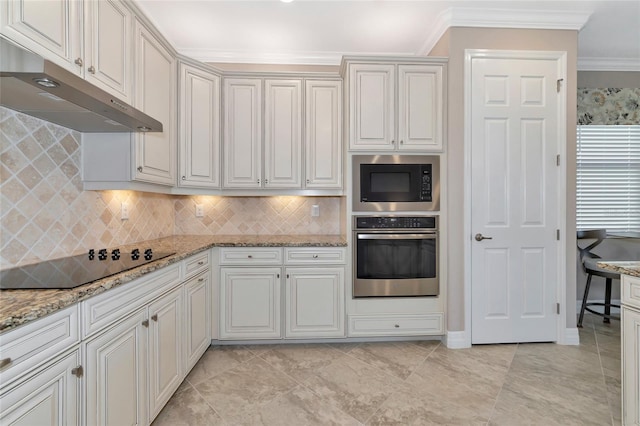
(71, 272)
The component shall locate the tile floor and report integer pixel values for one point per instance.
(405, 383)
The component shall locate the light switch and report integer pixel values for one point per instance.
(315, 210)
(199, 210)
(124, 211)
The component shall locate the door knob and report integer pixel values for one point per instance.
(480, 237)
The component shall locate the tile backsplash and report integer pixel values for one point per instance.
(45, 213)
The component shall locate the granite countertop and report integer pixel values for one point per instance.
(18, 307)
(626, 267)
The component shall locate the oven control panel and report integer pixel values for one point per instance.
(395, 222)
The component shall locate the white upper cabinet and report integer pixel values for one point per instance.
(283, 134)
(155, 95)
(52, 29)
(199, 140)
(242, 133)
(323, 134)
(92, 39)
(108, 47)
(396, 107)
(372, 106)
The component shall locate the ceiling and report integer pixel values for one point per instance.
(321, 31)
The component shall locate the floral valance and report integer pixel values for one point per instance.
(609, 106)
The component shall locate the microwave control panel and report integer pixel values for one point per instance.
(395, 222)
(425, 184)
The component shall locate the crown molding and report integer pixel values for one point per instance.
(608, 64)
(503, 18)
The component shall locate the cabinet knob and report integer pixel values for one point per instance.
(77, 371)
(249, 257)
(397, 326)
(4, 362)
(78, 62)
(308, 180)
(184, 178)
(154, 317)
(401, 142)
(393, 142)
(277, 275)
(140, 169)
(201, 262)
(92, 69)
(266, 181)
(258, 181)
(287, 276)
(145, 323)
(200, 280)
(315, 256)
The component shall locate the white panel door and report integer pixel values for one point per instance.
(372, 106)
(108, 47)
(249, 303)
(49, 397)
(323, 134)
(314, 302)
(199, 128)
(116, 374)
(155, 95)
(51, 28)
(514, 191)
(242, 133)
(165, 349)
(283, 134)
(420, 107)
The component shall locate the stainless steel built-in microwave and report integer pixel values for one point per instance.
(389, 183)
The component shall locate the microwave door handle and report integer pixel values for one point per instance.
(425, 236)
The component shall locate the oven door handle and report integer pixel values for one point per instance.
(423, 236)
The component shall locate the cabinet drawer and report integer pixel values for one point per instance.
(395, 325)
(251, 256)
(36, 342)
(196, 264)
(106, 308)
(313, 255)
(631, 291)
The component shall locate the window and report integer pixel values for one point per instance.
(608, 173)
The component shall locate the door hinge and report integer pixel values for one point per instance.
(559, 84)
(558, 234)
(558, 308)
(558, 160)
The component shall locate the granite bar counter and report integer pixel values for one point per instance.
(631, 268)
(19, 307)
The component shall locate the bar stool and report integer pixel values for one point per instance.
(589, 265)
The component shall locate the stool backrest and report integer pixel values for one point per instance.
(598, 235)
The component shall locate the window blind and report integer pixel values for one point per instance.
(608, 178)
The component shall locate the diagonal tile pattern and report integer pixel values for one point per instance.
(405, 383)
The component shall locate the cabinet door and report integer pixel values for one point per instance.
(197, 337)
(630, 365)
(283, 134)
(52, 29)
(250, 303)
(372, 107)
(51, 396)
(242, 133)
(314, 302)
(323, 134)
(108, 47)
(155, 94)
(420, 107)
(199, 128)
(165, 349)
(116, 374)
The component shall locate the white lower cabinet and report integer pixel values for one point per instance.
(50, 396)
(197, 317)
(165, 349)
(250, 303)
(314, 300)
(630, 331)
(251, 292)
(116, 373)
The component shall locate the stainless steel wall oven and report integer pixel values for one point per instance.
(395, 256)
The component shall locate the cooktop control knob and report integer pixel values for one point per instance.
(135, 254)
(92, 254)
(102, 254)
(148, 254)
(115, 254)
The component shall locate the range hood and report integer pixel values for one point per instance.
(38, 87)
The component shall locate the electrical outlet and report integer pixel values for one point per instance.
(315, 210)
(199, 210)
(124, 211)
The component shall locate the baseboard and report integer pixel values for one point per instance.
(571, 337)
(456, 340)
